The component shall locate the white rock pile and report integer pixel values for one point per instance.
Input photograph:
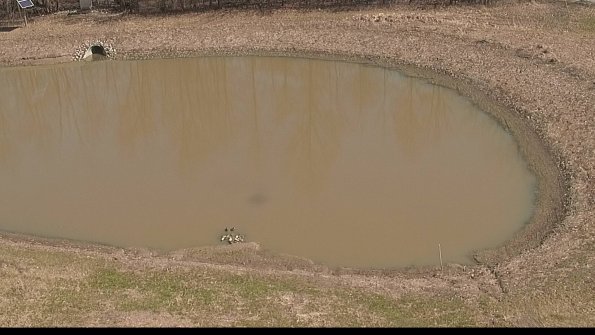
(79, 53)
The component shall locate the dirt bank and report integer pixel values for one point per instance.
(530, 65)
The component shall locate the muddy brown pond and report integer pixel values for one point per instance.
(343, 163)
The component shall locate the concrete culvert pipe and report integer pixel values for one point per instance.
(95, 52)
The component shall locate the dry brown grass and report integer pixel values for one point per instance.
(536, 59)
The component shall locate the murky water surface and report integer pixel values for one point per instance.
(342, 163)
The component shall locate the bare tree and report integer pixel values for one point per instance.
(8, 9)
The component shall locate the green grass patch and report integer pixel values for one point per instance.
(411, 311)
(257, 287)
(153, 291)
(58, 289)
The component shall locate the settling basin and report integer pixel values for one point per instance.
(343, 163)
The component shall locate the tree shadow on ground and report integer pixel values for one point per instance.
(8, 29)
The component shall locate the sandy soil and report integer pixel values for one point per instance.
(531, 65)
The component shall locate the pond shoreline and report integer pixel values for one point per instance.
(549, 203)
(446, 115)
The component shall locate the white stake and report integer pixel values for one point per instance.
(440, 250)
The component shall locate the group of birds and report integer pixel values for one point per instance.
(230, 237)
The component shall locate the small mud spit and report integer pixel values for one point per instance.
(230, 237)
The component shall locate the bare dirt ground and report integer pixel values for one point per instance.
(532, 65)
